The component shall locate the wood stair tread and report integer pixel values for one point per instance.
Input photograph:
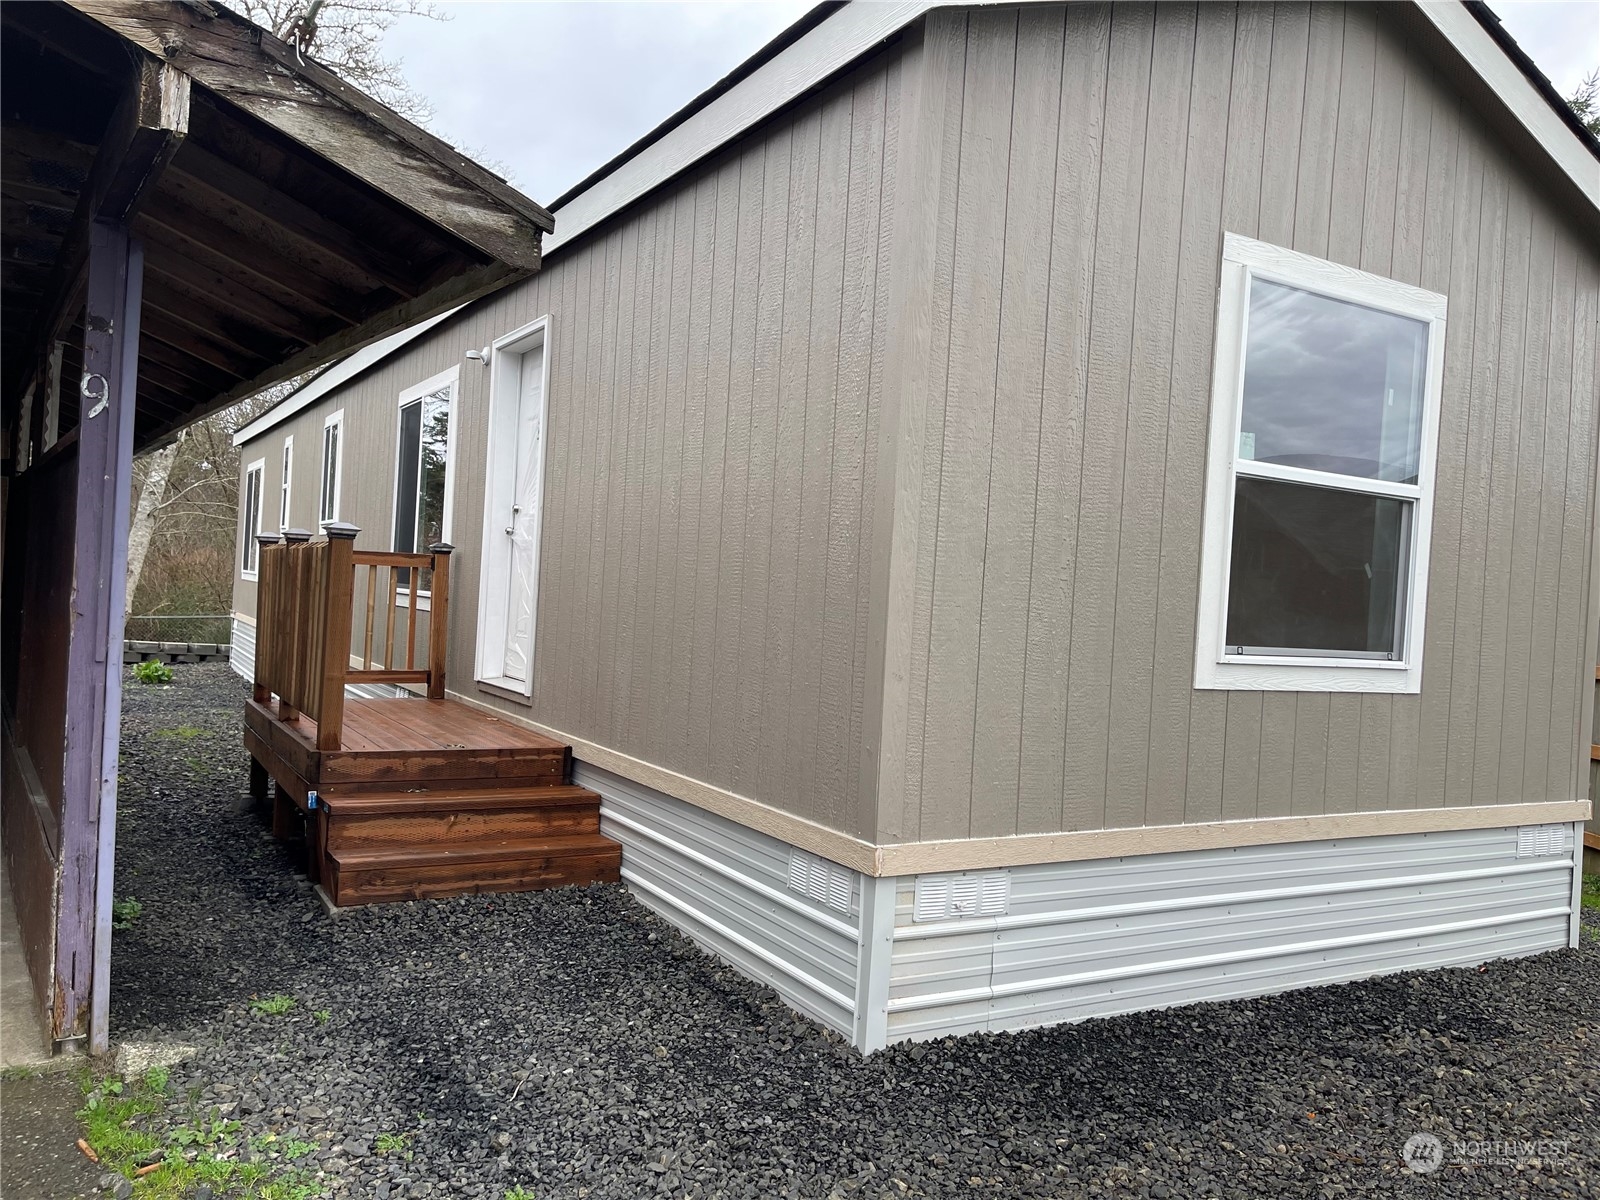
(446, 800)
(508, 850)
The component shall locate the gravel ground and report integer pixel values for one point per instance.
(574, 1045)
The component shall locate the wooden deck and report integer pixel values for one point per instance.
(426, 798)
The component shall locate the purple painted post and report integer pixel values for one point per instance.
(106, 401)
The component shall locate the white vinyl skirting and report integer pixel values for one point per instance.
(1081, 939)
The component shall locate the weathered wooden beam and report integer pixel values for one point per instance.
(272, 81)
(146, 129)
(94, 650)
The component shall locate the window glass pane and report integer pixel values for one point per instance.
(252, 518)
(435, 454)
(405, 493)
(1332, 386)
(420, 478)
(1315, 569)
(330, 470)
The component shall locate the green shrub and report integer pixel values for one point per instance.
(125, 912)
(152, 671)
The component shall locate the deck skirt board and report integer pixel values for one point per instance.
(427, 798)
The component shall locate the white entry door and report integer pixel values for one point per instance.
(513, 504)
(522, 522)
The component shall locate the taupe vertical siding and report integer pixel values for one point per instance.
(715, 374)
(1062, 471)
(723, 479)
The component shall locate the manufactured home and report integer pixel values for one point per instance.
(991, 516)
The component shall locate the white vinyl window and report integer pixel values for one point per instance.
(283, 491)
(250, 510)
(422, 477)
(1319, 483)
(332, 468)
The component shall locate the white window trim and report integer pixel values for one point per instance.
(259, 470)
(334, 418)
(504, 379)
(449, 378)
(284, 490)
(1214, 668)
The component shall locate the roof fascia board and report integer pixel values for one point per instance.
(838, 41)
(336, 376)
(1532, 111)
(857, 27)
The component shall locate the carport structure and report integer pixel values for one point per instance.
(193, 211)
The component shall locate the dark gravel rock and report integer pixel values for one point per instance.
(571, 1043)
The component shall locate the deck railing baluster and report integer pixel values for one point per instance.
(306, 638)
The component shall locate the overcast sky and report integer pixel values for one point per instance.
(552, 90)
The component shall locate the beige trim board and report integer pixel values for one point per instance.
(970, 854)
(837, 847)
(966, 854)
(245, 619)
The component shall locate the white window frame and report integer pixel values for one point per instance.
(284, 488)
(324, 520)
(1215, 668)
(449, 378)
(252, 548)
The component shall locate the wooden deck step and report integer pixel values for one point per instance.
(423, 800)
(413, 873)
(451, 817)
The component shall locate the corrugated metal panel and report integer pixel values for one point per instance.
(242, 649)
(727, 887)
(1117, 935)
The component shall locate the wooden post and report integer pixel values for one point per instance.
(285, 815)
(266, 584)
(438, 619)
(336, 622)
(285, 634)
(258, 785)
(81, 987)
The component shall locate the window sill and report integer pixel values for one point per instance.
(1303, 676)
(402, 599)
(501, 690)
(250, 576)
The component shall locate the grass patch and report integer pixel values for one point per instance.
(272, 1006)
(125, 912)
(519, 1193)
(131, 1127)
(182, 732)
(1590, 897)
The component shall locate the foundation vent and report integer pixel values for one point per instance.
(823, 881)
(1536, 841)
(943, 897)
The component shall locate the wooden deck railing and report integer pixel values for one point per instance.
(305, 621)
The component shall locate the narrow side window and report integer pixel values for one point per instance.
(332, 468)
(250, 510)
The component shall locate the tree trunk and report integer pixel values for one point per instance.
(152, 490)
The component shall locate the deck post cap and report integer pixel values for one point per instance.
(297, 535)
(441, 548)
(266, 539)
(341, 529)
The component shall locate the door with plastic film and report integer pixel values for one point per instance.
(513, 504)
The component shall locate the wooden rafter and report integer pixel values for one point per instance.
(149, 124)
